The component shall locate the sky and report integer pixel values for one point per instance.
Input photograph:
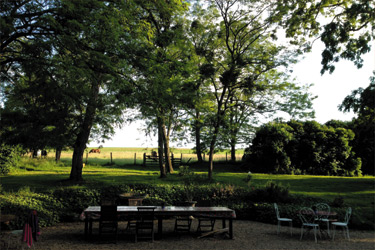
(331, 90)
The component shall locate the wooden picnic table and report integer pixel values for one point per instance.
(223, 213)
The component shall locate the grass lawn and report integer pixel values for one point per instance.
(44, 174)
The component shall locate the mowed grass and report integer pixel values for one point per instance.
(44, 175)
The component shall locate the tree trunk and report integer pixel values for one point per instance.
(167, 152)
(58, 154)
(233, 142)
(211, 153)
(83, 135)
(198, 127)
(233, 151)
(163, 172)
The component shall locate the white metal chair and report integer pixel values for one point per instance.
(324, 217)
(279, 220)
(307, 216)
(344, 224)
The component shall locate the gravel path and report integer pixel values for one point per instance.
(248, 235)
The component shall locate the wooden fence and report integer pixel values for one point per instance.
(138, 158)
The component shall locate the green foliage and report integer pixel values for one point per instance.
(362, 102)
(344, 26)
(73, 199)
(338, 202)
(65, 204)
(9, 158)
(303, 148)
(22, 202)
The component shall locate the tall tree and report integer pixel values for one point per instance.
(362, 103)
(163, 71)
(346, 27)
(245, 53)
(280, 96)
(86, 40)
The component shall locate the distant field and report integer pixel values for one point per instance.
(122, 156)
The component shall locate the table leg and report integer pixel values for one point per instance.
(224, 223)
(90, 227)
(86, 227)
(160, 228)
(231, 228)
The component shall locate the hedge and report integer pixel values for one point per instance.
(66, 204)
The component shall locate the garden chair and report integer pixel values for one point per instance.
(307, 216)
(183, 223)
(343, 224)
(205, 221)
(279, 220)
(108, 221)
(145, 224)
(325, 217)
(132, 221)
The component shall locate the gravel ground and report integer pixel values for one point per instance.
(247, 235)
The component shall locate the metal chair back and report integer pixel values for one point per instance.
(276, 210)
(307, 215)
(325, 208)
(348, 215)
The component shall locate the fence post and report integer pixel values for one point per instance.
(135, 158)
(111, 158)
(87, 156)
(226, 156)
(204, 156)
(144, 159)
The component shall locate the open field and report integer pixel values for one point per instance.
(121, 156)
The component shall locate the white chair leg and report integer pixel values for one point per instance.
(316, 240)
(301, 233)
(329, 233)
(291, 228)
(320, 234)
(278, 227)
(334, 231)
(347, 231)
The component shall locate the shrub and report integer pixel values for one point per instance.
(9, 158)
(65, 204)
(338, 202)
(25, 200)
(74, 200)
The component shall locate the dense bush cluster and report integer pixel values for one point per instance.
(9, 158)
(303, 148)
(66, 204)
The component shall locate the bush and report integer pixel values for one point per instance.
(65, 204)
(338, 202)
(9, 158)
(25, 200)
(74, 200)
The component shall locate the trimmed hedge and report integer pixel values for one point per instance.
(66, 204)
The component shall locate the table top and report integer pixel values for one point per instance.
(321, 213)
(173, 210)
